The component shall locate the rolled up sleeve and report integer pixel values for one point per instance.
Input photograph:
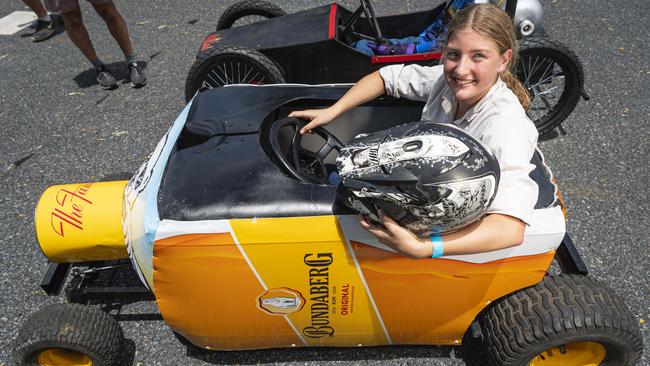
(414, 82)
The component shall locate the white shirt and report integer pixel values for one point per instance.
(498, 121)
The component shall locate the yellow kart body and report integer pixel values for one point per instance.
(283, 282)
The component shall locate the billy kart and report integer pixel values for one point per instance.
(258, 252)
(257, 43)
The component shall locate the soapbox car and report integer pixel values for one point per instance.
(315, 47)
(234, 230)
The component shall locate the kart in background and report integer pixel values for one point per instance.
(256, 43)
(258, 252)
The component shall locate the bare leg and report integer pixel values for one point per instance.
(37, 7)
(116, 25)
(78, 34)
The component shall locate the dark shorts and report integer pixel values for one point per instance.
(64, 6)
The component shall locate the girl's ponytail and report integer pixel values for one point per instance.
(517, 87)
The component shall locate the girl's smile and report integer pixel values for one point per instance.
(460, 82)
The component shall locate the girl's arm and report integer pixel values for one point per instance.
(492, 232)
(369, 87)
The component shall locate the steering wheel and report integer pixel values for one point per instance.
(303, 164)
(364, 8)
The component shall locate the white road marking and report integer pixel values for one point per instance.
(15, 22)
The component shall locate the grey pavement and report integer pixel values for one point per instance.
(60, 127)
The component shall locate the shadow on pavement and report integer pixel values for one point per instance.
(285, 355)
(470, 354)
(127, 352)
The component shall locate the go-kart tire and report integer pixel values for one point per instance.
(213, 66)
(69, 334)
(566, 313)
(258, 9)
(542, 64)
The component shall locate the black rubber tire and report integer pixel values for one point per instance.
(560, 310)
(209, 60)
(542, 51)
(81, 328)
(245, 8)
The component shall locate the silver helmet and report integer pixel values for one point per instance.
(429, 177)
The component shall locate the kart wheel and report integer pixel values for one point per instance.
(554, 78)
(69, 334)
(566, 320)
(231, 65)
(248, 12)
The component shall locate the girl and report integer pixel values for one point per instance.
(475, 90)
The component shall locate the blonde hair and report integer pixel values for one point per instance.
(495, 24)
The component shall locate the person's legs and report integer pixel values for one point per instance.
(46, 26)
(38, 8)
(116, 24)
(79, 36)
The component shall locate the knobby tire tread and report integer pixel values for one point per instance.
(77, 327)
(559, 307)
(206, 60)
(247, 7)
(574, 73)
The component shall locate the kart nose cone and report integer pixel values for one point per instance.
(81, 222)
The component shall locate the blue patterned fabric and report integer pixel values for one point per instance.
(429, 39)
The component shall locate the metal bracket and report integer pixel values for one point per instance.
(86, 294)
(54, 278)
(76, 272)
(86, 289)
(569, 259)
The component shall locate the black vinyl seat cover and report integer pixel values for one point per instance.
(232, 177)
(228, 175)
(241, 109)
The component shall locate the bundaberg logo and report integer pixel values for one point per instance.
(280, 301)
(319, 293)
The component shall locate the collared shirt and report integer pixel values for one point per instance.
(498, 121)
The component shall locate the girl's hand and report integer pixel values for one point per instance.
(316, 118)
(398, 237)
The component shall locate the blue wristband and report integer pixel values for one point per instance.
(438, 247)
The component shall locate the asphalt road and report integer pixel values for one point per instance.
(60, 127)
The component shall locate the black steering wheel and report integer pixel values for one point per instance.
(366, 9)
(303, 164)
